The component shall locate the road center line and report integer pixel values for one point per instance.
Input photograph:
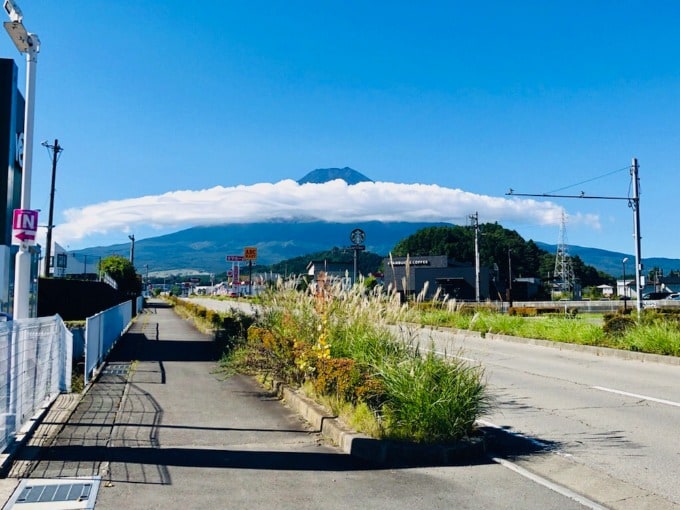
(635, 395)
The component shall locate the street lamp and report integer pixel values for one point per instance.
(29, 44)
(625, 294)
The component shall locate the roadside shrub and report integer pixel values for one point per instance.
(617, 325)
(339, 377)
(276, 354)
(431, 399)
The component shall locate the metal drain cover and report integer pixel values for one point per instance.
(55, 494)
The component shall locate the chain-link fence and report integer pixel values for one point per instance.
(35, 366)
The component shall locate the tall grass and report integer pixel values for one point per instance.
(429, 398)
(657, 337)
(655, 333)
(340, 339)
(572, 330)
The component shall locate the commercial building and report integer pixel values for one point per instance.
(414, 275)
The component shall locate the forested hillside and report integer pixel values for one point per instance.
(498, 248)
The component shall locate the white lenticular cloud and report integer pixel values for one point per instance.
(334, 201)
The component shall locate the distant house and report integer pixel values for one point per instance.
(626, 288)
(64, 264)
(342, 271)
(526, 289)
(606, 290)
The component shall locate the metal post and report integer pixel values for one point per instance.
(22, 275)
(636, 227)
(510, 277)
(56, 149)
(625, 297)
(132, 249)
(475, 218)
(250, 277)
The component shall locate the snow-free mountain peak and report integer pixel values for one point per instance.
(321, 175)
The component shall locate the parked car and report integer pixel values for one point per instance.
(656, 295)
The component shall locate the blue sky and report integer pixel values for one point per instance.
(173, 114)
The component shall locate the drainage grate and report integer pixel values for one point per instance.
(62, 493)
(116, 369)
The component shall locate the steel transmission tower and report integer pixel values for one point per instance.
(564, 272)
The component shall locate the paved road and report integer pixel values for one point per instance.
(610, 423)
(613, 417)
(164, 430)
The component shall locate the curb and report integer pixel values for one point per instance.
(590, 349)
(37, 432)
(378, 451)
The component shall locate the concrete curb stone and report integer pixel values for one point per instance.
(378, 451)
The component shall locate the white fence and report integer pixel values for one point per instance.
(35, 366)
(102, 331)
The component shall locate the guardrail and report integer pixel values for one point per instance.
(596, 306)
(102, 331)
(35, 366)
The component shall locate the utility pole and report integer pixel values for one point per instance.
(132, 249)
(635, 205)
(475, 223)
(55, 150)
(509, 290)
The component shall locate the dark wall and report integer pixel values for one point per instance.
(75, 299)
(11, 132)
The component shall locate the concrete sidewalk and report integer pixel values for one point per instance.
(160, 425)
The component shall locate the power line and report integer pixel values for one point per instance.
(590, 180)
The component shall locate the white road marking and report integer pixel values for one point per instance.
(564, 491)
(642, 397)
(449, 355)
(588, 503)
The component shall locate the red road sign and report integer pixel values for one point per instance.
(235, 258)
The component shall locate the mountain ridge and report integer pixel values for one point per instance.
(204, 248)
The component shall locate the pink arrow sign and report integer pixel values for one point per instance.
(25, 236)
(24, 225)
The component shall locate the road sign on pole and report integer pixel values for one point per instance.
(24, 226)
(235, 258)
(250, 253)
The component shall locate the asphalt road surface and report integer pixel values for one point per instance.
(616, 419)
(595, 424)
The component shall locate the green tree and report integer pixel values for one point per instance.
(498, 248)
(123, 272)
(367, 262)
